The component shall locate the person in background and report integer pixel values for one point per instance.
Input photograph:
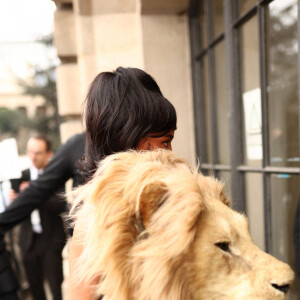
(62, 167)
(42, 235)
(124, 109)
(9, 282)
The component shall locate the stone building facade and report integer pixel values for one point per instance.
(92, 36)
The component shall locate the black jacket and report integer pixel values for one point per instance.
(8, 281)
(53, 233)
(62, 167)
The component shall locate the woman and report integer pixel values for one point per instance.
(124, 110)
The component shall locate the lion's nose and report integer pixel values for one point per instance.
(283, 288)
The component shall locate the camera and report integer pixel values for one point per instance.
(15, 183)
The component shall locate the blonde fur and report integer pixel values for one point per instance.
(151, 227)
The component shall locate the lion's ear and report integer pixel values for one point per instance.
(150, 199)
(224, 198)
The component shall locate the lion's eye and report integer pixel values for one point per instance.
(223, 246)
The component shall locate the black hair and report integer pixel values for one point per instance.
(121, 107)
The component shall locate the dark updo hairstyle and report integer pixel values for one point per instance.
(121, 107)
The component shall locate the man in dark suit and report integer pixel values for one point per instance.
(63, 166)
(42, 235)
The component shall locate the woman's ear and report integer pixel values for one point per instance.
(151, 198)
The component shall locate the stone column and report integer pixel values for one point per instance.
(166, 52)
(68, 79)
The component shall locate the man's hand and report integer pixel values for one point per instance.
(24, 185)
(12, 195)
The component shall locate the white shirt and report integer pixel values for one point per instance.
(35, 215)
(5, 187)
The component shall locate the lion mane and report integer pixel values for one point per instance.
(155, 228)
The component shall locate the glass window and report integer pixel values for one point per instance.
(245, 5)
(202, 20)
(271, 199)
(222, 104)
(284, 202)
(218, 17)
(251, 94)
(255, 208)
(282, 51)
(286, 222)
(207, 172)
(226, 178)
(207, 102)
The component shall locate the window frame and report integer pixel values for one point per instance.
(232, 43)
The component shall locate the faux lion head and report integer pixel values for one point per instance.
(157, 229)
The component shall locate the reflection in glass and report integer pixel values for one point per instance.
(255, 208)
(245, 5)
(202, 20)
(251, 95)
(204, 67)
(284, 202)
(282, 50)
(225, 177)
(222, 104)
(218, 17)
(206, 172)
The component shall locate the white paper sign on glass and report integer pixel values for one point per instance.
(9, 160)
(253, 124)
